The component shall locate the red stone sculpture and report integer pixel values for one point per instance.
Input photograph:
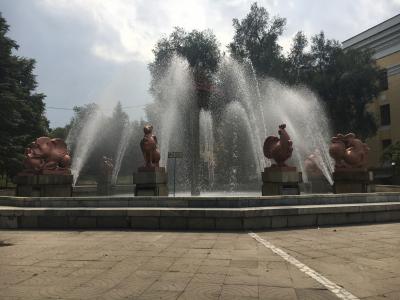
(280, 149)
(149, 148)
(348, 152)
(47, 156)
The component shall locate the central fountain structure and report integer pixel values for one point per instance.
(218, 123)
(221, 122)
(203, 90)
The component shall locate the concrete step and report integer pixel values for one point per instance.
(179, 218)
(200, 202)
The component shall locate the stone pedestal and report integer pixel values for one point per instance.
(151, 182)
(104, 187)
(43, 185)
(350, 181)
(280, 181)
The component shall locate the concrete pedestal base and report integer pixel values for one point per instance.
(350, 181)
(104, 187)
(280, 181)
(151, 182)
(43, 185)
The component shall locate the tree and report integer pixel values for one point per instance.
(22, 110)
(347, 81)
(200, 48)
(60, 132)
(298, 59)
(392, 155)
(256, 39)
(113, 132)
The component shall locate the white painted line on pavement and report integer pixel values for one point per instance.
(333, 287)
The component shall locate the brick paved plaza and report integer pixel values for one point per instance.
(364, 260)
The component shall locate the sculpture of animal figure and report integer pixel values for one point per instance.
(348, 151)
(149, 146)
(106, 166)
(280, 149)
(47, 156)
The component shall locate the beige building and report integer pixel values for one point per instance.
(384, 39)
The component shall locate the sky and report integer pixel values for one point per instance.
(98, 50)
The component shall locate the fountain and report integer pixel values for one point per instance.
(193, 103)
(218, 123)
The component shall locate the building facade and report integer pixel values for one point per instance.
(384, 40)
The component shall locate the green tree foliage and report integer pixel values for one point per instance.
(298, 59)
(59, 132)
(113, 130)
(200, 48)
(346, 80)
(256, 39)
(392, 154)
(21, 109)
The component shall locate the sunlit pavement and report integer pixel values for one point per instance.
(364, 260)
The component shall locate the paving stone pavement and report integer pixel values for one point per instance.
(365, 260)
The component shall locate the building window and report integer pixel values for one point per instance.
(385, 114)
(383, 80)
(386, 143)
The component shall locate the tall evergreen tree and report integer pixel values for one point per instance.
(22, 110)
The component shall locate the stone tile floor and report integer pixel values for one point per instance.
(365, 260)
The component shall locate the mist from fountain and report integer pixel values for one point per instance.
(236, 114)
(258, 94)
(121, 149)
(245, 91)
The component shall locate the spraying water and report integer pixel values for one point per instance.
(86, 139)
(241, 110)
(306, 120)
(175, 90)
(122, 146)
(237, 81)
(235, 116)
(258, 94)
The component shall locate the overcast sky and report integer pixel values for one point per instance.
(98, 50)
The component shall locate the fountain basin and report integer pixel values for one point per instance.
(199, 213)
